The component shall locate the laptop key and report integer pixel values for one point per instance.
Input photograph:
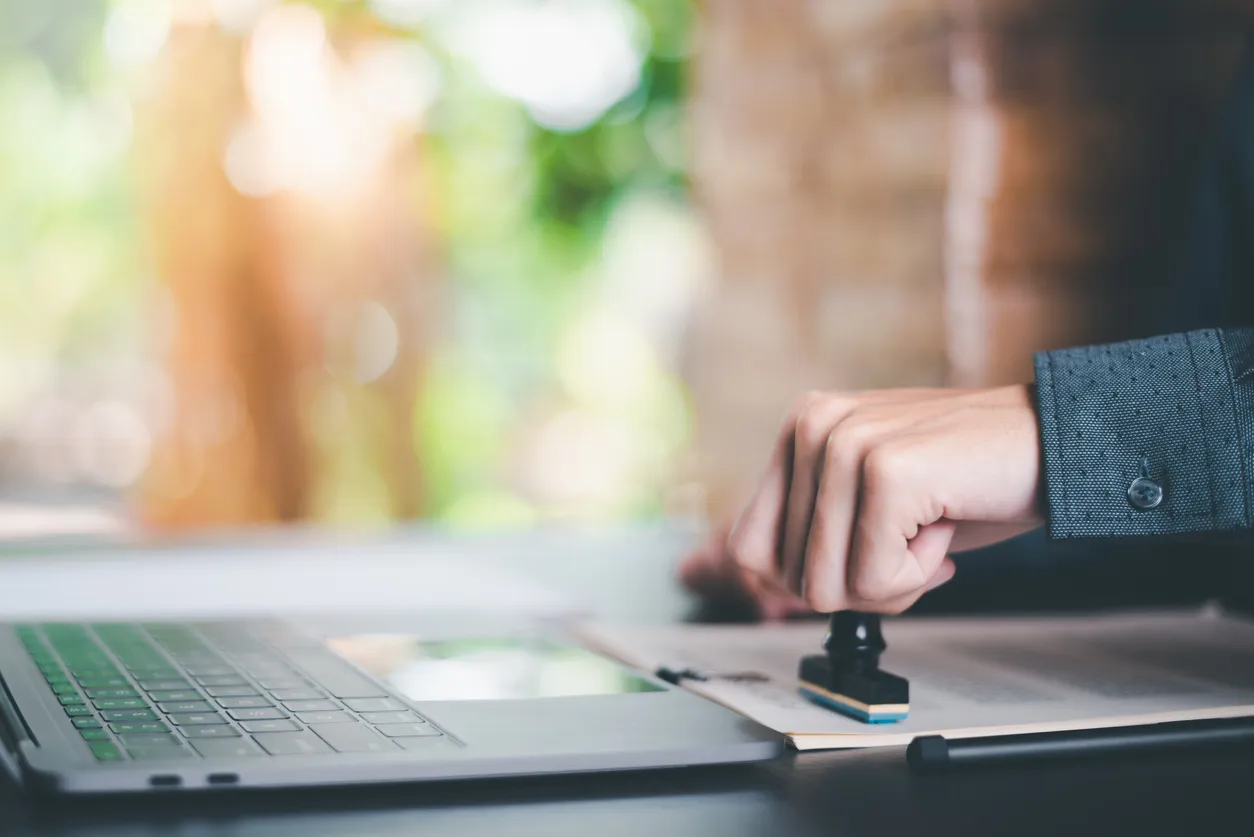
(291, 743)
(178, 694)
(374, 705)
(185, 706)
(280, 672)
(271, 684)
(107, 694)
(104, 683)
(75, 711)
(391, 718)
(192, 719)
(85, 723)
(296, 694)
(256, 714)
(128, 715)
(326, 718)
(163, 685)
(222, 680)
(269, 726)
(407, 730)
(229, 748)
(198, 658)
(105, 750)
(121, 703)
(231, 691)
(209, 731)
(210, 671)
(353, 738)
(244, 702)
(139, 726)
(149, 741)
(94, 734)
(310, 705)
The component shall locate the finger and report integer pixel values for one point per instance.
(756, 541)
(901, 604)
(824, 576)
(898, 542)
(943, 575)
(755, 536)
(814, 428)
(817, 501)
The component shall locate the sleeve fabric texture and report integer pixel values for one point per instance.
(1181, 404)
(1178, 407)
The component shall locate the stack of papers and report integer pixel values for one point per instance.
(970, 677)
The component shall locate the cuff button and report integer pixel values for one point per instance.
(1145, 493)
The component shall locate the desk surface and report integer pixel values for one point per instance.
(833, 793)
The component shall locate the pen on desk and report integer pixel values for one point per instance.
(935, 753)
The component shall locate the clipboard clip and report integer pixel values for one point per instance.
(675, 674)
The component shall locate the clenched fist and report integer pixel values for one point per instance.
(867, 494)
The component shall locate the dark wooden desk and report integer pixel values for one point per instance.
(852, 793)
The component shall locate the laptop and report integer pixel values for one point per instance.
(104, 707)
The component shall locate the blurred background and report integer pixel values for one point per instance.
(496, 263)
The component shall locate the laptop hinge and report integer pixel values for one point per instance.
(13, 726)
(13, 731)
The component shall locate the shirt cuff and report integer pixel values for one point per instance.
(1140, 438)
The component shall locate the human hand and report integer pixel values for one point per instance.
(867, 493)
(710, 572)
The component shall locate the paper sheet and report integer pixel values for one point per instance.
(971, 677)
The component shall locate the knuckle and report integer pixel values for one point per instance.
(812, 428)
(822, 599)
(847, 442)
(807, 403)
(885, 465)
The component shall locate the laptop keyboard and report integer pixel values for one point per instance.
(177, 691)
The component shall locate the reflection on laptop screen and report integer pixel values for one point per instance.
(486, 668)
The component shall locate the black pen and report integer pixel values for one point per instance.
(935, 753)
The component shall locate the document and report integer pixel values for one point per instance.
(970, 676)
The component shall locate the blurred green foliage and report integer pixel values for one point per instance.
(521, 213)
(71, 273)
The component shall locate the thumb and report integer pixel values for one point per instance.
(933, 540)
(930, 547)
(944, 573)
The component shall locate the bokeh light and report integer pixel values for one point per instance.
(567, 61)
(450, 238)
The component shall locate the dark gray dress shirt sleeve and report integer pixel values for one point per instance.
(1149, 437)
(1206, 552)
